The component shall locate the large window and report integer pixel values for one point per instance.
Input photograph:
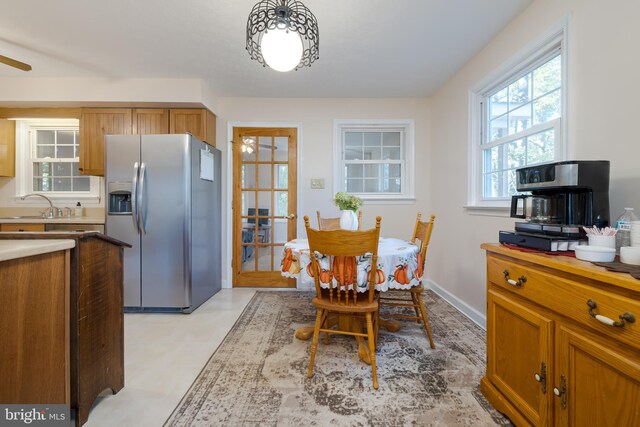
(375, 160)
(517, 121)
(48, 158)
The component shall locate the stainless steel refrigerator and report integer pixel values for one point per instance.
(163, 198)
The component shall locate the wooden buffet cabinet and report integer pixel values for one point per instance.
(550, 360)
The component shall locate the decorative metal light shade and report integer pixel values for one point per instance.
(282, 34)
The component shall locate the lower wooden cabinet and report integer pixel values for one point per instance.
(34, 326)
(94, 340)
(598, 381)
(520, 340)
(550, 361)
(21, 227)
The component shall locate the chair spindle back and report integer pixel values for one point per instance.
(422, 233)
(341, 247)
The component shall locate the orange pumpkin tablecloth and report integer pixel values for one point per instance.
(397, 266)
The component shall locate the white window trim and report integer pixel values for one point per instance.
(24, 171)
(558, 33)
(408, 185)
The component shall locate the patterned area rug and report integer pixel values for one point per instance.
(258, 374)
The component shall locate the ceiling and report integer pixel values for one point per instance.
(368, 48)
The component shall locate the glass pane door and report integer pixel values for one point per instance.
(263, 204)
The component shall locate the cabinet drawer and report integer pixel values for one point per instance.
(21, 227)
(568, 298)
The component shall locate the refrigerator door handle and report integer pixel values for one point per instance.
(142, 210)
(134, 198)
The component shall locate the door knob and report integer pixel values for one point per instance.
(291, 216)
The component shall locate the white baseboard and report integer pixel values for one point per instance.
(464, 308)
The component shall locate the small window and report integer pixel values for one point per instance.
(48, 160)
(373, 161)
(517, 121)
(54, 157)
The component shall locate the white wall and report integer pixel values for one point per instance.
(315, 148)
(57, 91)
(604, 66)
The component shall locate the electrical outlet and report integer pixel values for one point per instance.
(317, 183)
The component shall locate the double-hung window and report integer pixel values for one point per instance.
(518, 123)
(374, 159)
(48, 159)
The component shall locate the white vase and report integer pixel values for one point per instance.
(348, 220)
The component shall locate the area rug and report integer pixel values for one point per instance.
(257, 376)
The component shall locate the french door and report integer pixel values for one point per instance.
(264, 204)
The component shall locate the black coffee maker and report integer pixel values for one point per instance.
(564, 197)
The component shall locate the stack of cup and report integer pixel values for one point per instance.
(631, 254)
(600, 240)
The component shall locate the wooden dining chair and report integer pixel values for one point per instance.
(334, 223)
(395, 297)
(340, 248)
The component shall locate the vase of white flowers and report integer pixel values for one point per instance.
(348, 204)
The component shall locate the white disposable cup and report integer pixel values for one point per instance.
(635, 233)
(606, 241)
(630, 255)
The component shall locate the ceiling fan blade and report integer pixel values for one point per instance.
(16, 64)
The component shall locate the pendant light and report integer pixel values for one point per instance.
(282, 34)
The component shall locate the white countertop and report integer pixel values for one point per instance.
(12, 249)
(62, 220)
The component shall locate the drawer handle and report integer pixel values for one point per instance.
(519, 283)
(626, 317)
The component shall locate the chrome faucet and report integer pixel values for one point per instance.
(52, 209)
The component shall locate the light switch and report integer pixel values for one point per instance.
(317, 183)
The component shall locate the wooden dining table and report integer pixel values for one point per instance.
(396, 269)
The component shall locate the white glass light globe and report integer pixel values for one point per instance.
(281, 49)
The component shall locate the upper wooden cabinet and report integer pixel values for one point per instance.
(198, 122)
(95, 123)
(7, 147)
(150, 121)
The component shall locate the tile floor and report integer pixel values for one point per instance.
(163, 355)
